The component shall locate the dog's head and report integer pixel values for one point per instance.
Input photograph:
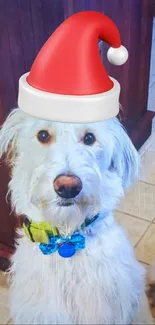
(65, 172)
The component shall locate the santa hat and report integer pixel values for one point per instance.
(68, 81)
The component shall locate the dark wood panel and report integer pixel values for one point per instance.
(26, 35)
(143, 130)
(7, 82)
(53, 15)
(39, 36)
(5, 255)
(7, 220)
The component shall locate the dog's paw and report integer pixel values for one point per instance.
(150, 287)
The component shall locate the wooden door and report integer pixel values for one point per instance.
(26, 25)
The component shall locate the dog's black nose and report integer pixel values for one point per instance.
(67, 186)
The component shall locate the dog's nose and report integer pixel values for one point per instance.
(67, 186)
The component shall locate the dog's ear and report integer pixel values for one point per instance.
(8, 135)
(125, 159)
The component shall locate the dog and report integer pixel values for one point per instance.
(65, 174)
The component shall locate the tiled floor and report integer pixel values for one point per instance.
(136, 214)
(4, 304)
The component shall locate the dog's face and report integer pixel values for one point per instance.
(65, 172)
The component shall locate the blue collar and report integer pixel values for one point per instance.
(52, 241)
(67, 246)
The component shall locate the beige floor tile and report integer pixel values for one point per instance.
(135, 227)
(4, 296)
(4, 279)
(147, 145)
(144, 265)
(147, 173)
(4, 315)
(145, 250)
(152, 147)
(4, 305)
(140, 201)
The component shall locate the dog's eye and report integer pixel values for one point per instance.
(89, 139)
(43, 136)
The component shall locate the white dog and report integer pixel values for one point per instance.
(63, 174)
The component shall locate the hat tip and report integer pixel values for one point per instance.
(117, 56)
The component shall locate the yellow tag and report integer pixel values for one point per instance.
(39, 232)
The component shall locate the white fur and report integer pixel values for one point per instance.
(103, 284)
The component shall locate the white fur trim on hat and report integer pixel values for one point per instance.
(66, 108)
(117, 56)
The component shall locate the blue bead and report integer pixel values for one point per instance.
(66, 250)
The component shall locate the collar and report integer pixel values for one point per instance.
(50, 240)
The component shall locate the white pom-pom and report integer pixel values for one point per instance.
(117, 56)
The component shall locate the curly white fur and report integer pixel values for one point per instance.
(103, 284)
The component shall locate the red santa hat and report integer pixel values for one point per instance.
(68, 81)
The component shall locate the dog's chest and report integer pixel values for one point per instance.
(63, 290)
(90, 288)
